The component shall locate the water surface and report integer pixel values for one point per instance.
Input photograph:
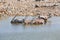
(49, 31)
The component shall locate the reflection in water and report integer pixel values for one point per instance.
(3, 17)
(49, 31)
(0, 18)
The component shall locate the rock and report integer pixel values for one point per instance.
(27, 7)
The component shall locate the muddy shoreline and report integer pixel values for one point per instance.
(32, 14)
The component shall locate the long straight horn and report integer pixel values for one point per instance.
(14, 17)
(49, 16)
